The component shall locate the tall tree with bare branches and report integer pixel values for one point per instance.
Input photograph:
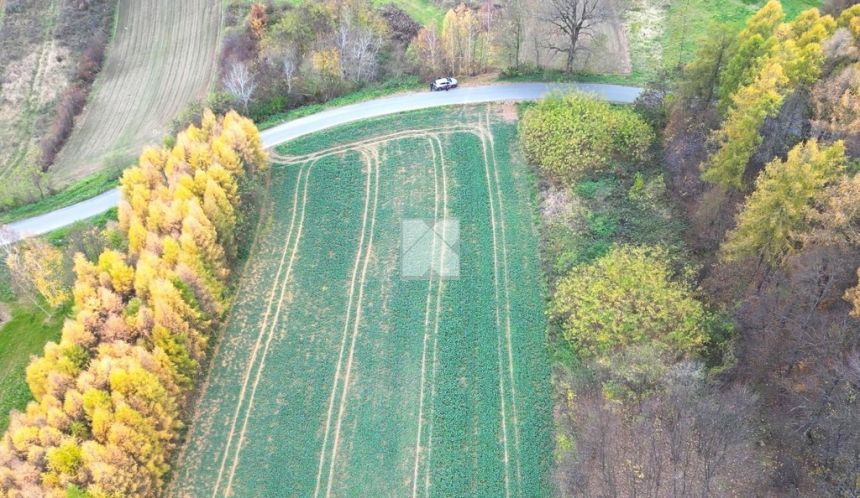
(574, 20)
(240, 83)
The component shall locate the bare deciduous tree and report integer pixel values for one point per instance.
(290, 67)
(240, 83)
(688, 440)
(512, 31)
(574, 20)
(358, 47)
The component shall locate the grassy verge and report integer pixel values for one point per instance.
(368, 93)
(22, 336)
(423, 11)
(557, 76)
(59, 236)
(106, 180)
(81, 191)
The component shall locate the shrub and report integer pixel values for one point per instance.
(628, 298)
(71, 103)
(573, 134)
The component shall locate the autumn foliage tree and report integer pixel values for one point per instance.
(462, 46)
(782, 207)
(109, 396)
(771, 61)
(38, 269)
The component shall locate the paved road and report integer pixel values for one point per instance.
(326, 119)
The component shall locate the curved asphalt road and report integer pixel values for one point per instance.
(326, 119)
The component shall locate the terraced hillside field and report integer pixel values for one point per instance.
(163, 56)
(335, 375)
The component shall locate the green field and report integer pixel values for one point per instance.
(422, 11)
(337, 377)
(23, 336)
(688, 20)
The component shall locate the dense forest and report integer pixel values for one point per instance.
(727, 363)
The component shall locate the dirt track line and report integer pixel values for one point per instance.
(262, 366)
(375, 161)
(507, 286)
(258, 342)
(371, 142)
(346, 322)
(426, 324)
(439, 291)
(498, 317)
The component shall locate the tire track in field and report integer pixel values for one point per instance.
(271, 334)
(494, 229)
(374, 157)
(350, 297)
(426, 321)
(258, 342)
(286, 159)
(436, 326)
(504, 351)
(506, 287)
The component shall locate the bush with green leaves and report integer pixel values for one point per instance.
(572, 134)
(626, 299)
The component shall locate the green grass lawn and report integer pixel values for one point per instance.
(688, 20)
(664, 33)
(24, 335)
(336, 372)
(422, 11)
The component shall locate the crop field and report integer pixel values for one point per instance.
(163, 55)
(337, 376)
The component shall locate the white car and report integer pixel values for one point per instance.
(443, 84)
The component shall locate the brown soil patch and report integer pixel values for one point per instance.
(507, 111)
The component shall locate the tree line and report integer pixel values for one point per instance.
(730, 363)
(277, 56)
(110, 397)
(760, 145)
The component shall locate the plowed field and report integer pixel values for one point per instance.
(163, 56)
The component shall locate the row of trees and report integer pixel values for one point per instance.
(109, 397)
(769, 61)
(737, 375)
(279, 56)
(463, 45)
